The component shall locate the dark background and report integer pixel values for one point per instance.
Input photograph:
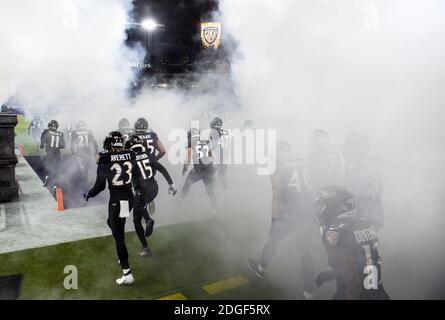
(176, 47)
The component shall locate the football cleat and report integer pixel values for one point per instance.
(46, 181)
(149, 227)
(254, 265)
(146, 252)
(125, 280)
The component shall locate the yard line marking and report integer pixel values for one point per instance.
(175, 296)
(226, 284)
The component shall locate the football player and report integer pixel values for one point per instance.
(363, 176)
(148, 193)
(352, 246)
(200, 152)
(150, 143)
(325, 160)
(149, 139)
(83, 147)
(220, 139)
(292, 212)
(52, 141)
(35, 128)
(125, 129)
(117, 167)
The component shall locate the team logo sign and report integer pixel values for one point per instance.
(331, 237)
(211, 34)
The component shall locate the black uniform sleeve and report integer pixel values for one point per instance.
(159, 167)
(101, 180)
(137, 179)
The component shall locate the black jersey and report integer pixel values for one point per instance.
(201, 151)
(52, 141)
(119, 170)
(294, 186)
(149, 140)
(82, 141)
(354, 256)
(148, 168)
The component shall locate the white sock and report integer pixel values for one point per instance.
(126, 271)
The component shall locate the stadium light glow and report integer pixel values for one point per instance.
(149, 24)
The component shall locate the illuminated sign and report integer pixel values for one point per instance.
(211, 34)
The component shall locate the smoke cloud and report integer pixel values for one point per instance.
(374, 66)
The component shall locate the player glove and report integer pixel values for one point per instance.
(172, 190)
(86, 196)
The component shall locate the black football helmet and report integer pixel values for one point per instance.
(53, 125)
(113, 139)
(216, 123)
(334, 205)
(124, 123)
(141, 124)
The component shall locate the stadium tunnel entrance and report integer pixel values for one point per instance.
(70, 181)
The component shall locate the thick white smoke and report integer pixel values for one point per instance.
(345, 65)
(374, 66)
(65, 56)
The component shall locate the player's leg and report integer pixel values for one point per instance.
(48, 166)
(57, 160)
(149, 222)
(222, 169)
(138, 212)
(208, 177)
(117, 226)
(305, 236)
(192, 177)
(278, 231)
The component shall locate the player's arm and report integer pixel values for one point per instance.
(161, 149)
(276, 196)
(43, 139)
(159, 167)
(100, 184)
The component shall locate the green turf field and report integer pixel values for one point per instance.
(199, 260)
